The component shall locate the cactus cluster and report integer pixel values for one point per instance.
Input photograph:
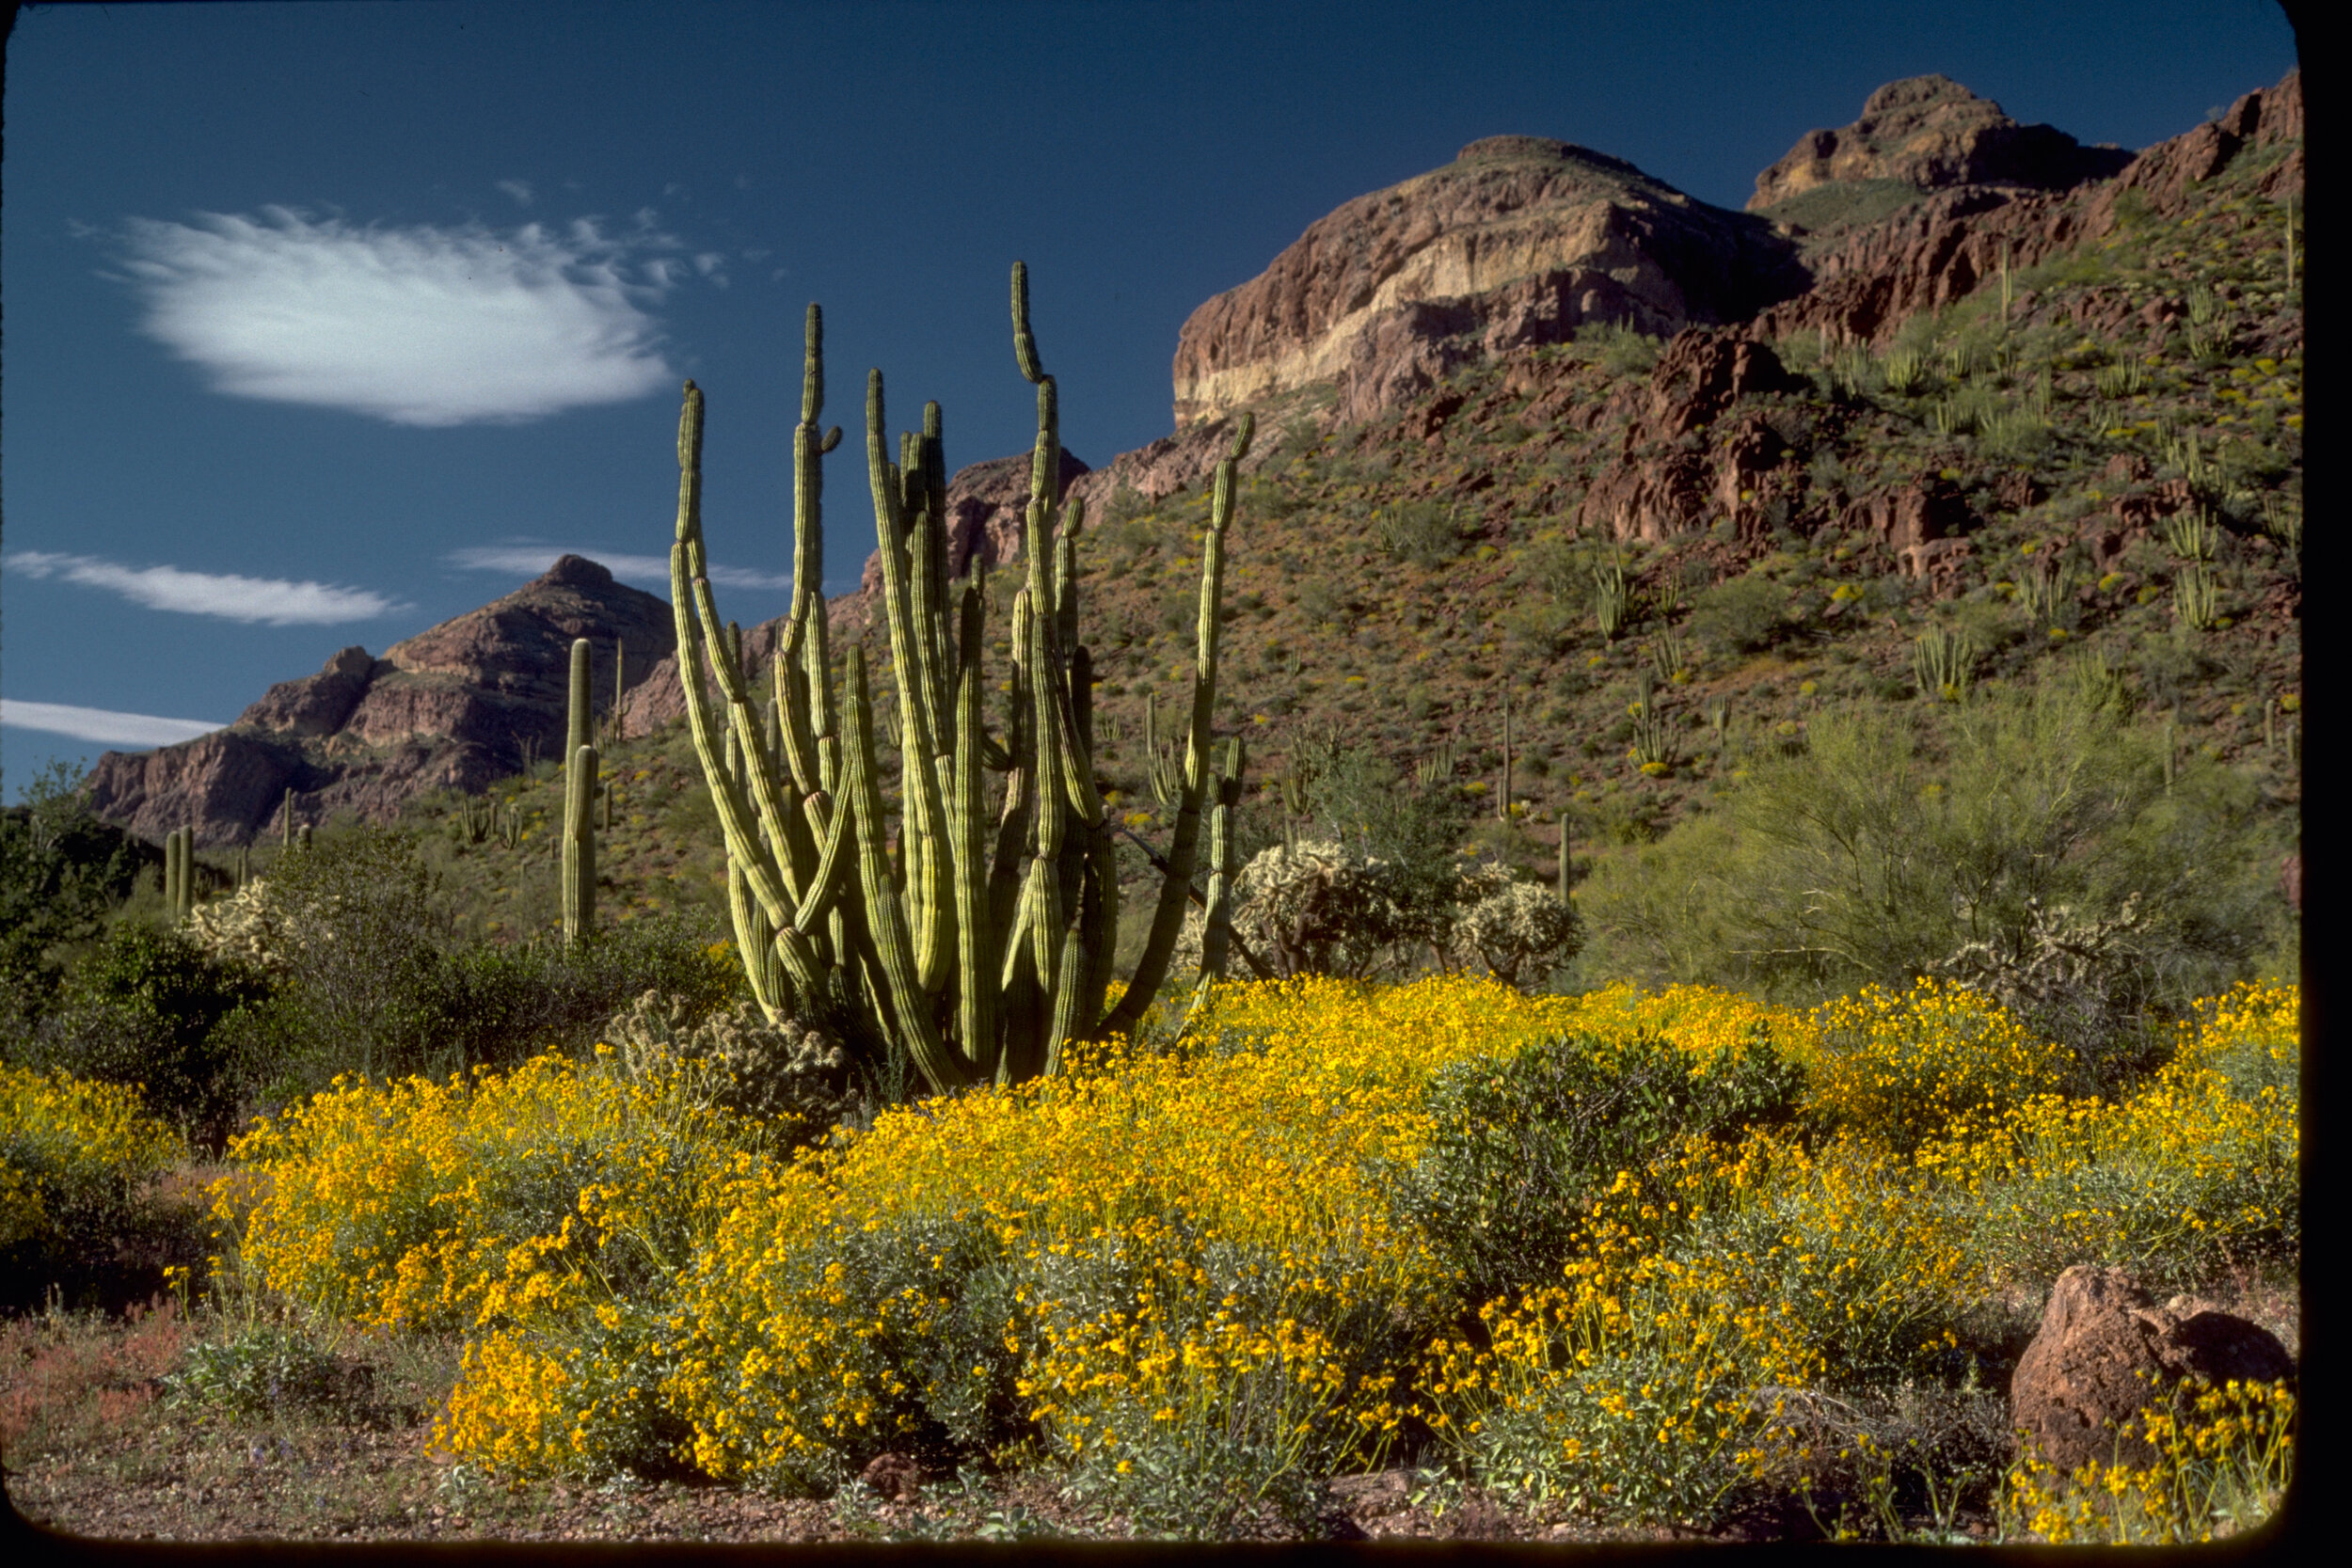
(975, 950)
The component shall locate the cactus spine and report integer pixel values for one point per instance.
(578, 851)
(988, 943)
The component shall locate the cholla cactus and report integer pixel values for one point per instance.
(788, 1071)
(1312, 909)
(1519, 928)
(250, 927)
(2056, 960)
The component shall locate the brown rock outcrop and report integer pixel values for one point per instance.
(457, 705)
(1665, 480)
(2105, 1351)
(1519, 240)
(1930, 132)
(1869, 282)
(222, 784)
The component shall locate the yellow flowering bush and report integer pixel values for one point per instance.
(1897, 1067)
(75, 1154)
(1200, 1275)
(547, 1210)
(2224, 1456)
(2198, 1167)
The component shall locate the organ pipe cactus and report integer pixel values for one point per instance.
(986, 942)
(580, 800)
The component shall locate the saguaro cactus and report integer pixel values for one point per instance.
(980, 951)
(580, 800)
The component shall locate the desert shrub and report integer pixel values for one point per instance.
(369, 979)
(2195, 1171)
(1738, 615)
(145, 1009)
(258, 1368)
(76, 1160)
(483, 1199)
(1521, 930)
(1897, 1067)
(1420, 531)
(61, 870)
(1865, 857)
(1523, 1148)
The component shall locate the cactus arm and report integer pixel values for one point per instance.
(923, 827)
(1167, 918)
(907, 1007)
(686, 564)
(976, 984)
(765, 794)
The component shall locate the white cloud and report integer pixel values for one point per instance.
(518, 189)
(271, 601)
(529, 560)
(420, 325)
(98, 724)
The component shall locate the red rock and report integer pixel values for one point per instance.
(1871, 280)
(1518, 240)
(2105, 1351)
(452, 707)
(1932, 133)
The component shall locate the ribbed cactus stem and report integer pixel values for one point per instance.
(989, 944)
(1565, 875)
(579, 848)
(287, 842)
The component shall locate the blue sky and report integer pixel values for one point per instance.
(326, 323)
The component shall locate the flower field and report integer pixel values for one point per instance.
(1613, 1253)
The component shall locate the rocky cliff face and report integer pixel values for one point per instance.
(1870, 281)
(1519, 240)
(465, 703)
(1930, 132)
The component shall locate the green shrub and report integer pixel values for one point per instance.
(1420, 531)
(61, 870)
(1884, 847)
(1738, 616)
(145, 1008)
(1525, 1145)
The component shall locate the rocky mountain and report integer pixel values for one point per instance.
(1416, 362)
(1520, 240)
(1930, 134)
(469, 701)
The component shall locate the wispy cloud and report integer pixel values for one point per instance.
(528, 561)
(99, 724)
(270, 601)
(518, 189)
(420, 325)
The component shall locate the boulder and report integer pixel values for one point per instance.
(2105, 1351)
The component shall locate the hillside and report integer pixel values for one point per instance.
(2056, 419)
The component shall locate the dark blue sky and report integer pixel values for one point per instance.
(326, 323)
